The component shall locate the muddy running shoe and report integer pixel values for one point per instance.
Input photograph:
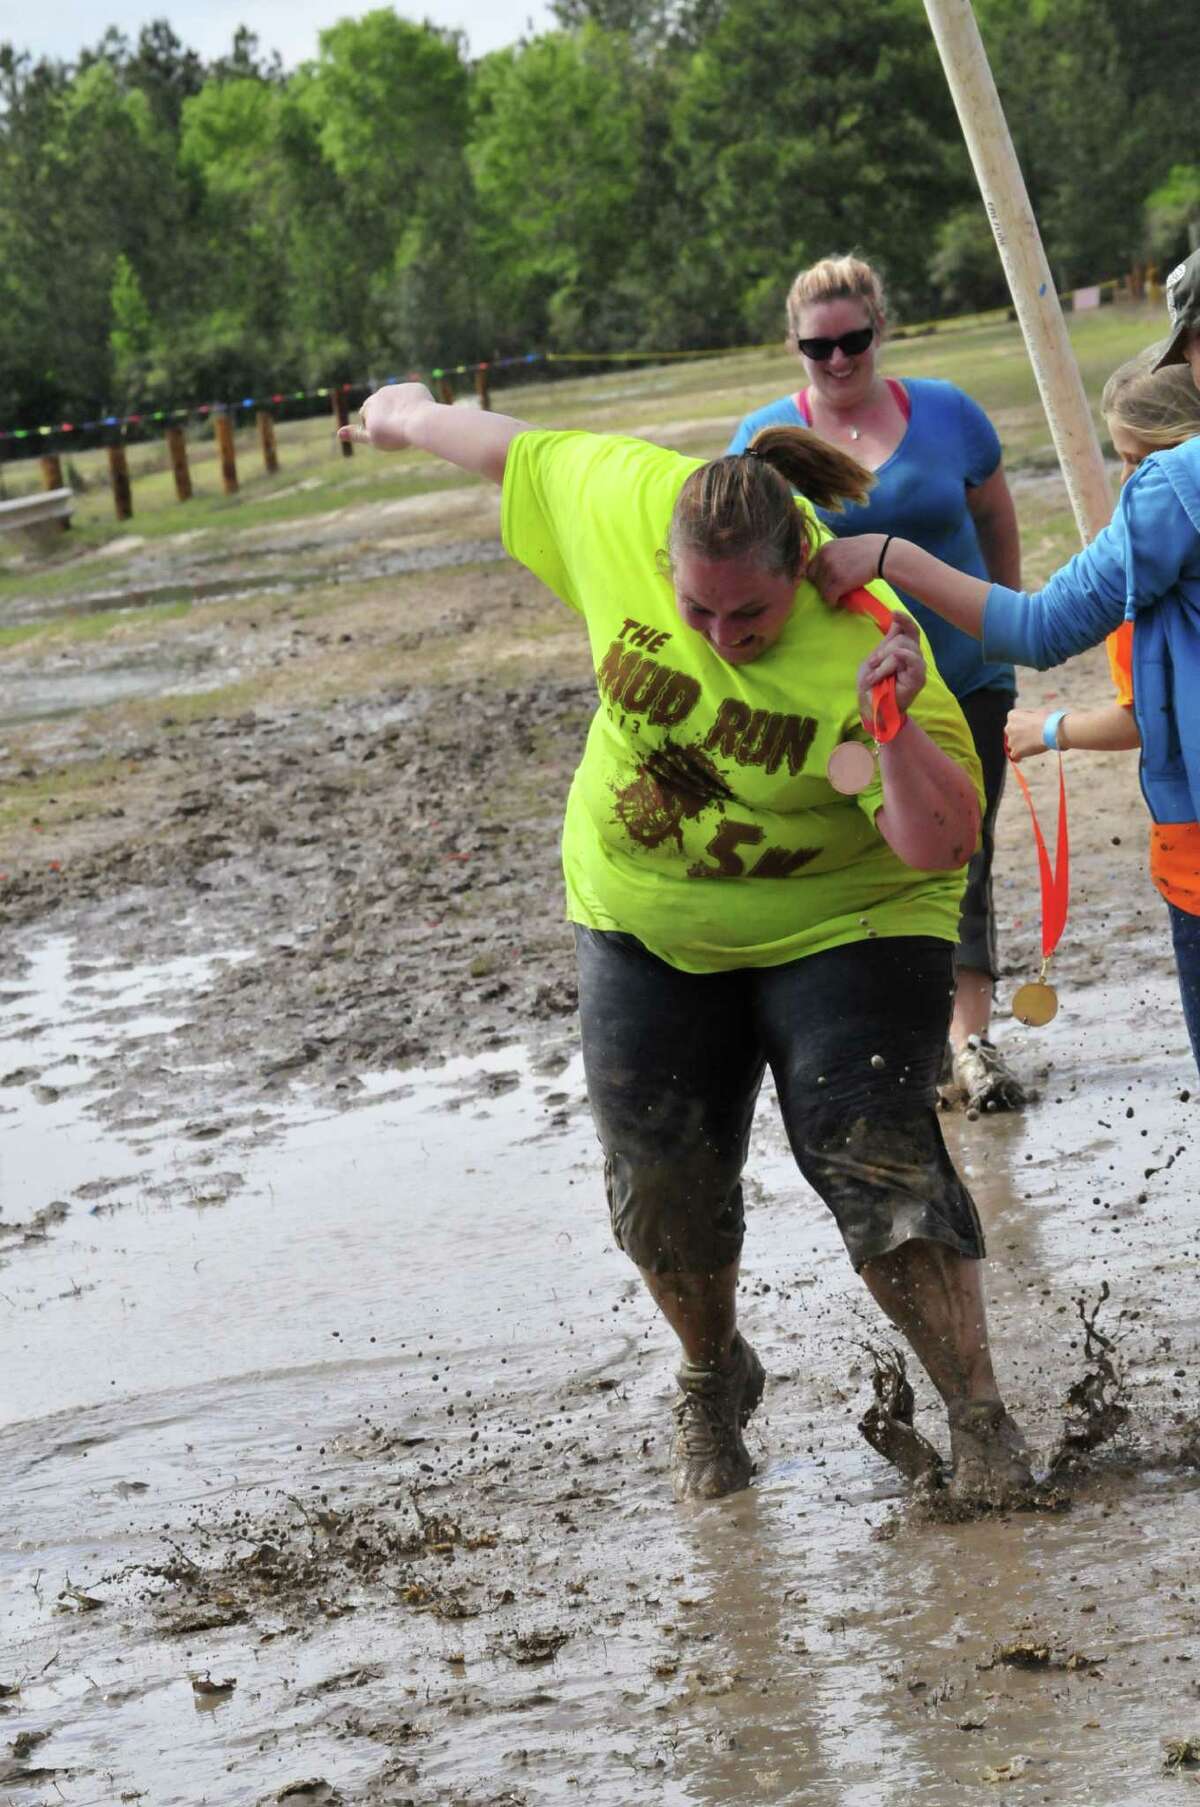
(991, 1463)
(984, 1080)
(708, 1456)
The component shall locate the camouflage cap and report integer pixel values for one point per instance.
(1183, 305)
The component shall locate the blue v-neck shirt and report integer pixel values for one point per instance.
(920, 494)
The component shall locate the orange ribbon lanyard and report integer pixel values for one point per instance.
(1056, 882)
(886, 719)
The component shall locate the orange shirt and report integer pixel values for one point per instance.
(1174, 846)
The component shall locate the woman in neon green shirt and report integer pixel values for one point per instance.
(732, 910)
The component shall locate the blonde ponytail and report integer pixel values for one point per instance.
(820, 472)
(743, 505)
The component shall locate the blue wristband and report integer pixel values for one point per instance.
(1050, 730)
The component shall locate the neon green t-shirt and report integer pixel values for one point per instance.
(700, 819)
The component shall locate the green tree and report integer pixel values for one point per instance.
(833, 134)
(131, 337)
(159, 66)
(653, 26)
(652, 175)
(965, 268)
(86, 175)
(234, 336)
(555, 156)
(31, 386)
(1173, 215)
(386, 103)
(1088, 88)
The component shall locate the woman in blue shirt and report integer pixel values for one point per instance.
(1144, 568)
(939, 481)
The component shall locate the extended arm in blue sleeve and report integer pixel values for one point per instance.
(1132, 564)
(1079, 606)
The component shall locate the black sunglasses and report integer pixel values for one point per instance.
(849, 344)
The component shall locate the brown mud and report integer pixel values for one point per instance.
(335, 1432)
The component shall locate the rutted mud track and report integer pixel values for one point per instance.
(422, 1550)
(392, 865)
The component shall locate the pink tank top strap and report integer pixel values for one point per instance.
(899, 395)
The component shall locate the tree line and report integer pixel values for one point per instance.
(648, 175)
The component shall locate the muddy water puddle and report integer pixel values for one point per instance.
(375, 1430)
(266, 571)
(41, 694)
(36, 689)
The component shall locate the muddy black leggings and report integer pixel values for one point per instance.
(854, 1038)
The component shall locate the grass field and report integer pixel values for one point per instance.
(695, 403)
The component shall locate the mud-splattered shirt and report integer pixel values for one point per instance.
(700, 818)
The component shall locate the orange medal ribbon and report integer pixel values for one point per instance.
(1037, 1003)
(886, 720)
(851, 767)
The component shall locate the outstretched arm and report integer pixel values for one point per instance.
(843, 565)
(405, 415)
(1079, 606)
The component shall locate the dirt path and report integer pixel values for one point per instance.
(336, 1431)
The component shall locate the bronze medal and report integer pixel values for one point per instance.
(1035, 1004)
(851, 768)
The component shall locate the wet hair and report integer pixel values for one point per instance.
(1159, 407)
(845, 278)
(743, 505)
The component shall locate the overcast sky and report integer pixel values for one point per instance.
(61, 28)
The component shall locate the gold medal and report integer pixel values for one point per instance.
(851, 768)
(1035, 1004)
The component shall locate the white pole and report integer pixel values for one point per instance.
(1019, 241)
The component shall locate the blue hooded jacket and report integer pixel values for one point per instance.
(1144, 567)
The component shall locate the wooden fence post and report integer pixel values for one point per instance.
(445, 389)
(341, 414)
(118, 476)
(223, 429)
(177, 453)
(266, 440)
(52, 478)
(481, 387)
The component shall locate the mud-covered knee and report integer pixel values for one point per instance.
(666, 1228)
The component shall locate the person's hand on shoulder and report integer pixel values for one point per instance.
(387, 417)
(844, 565)
(898, 655)
(1023, 733)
